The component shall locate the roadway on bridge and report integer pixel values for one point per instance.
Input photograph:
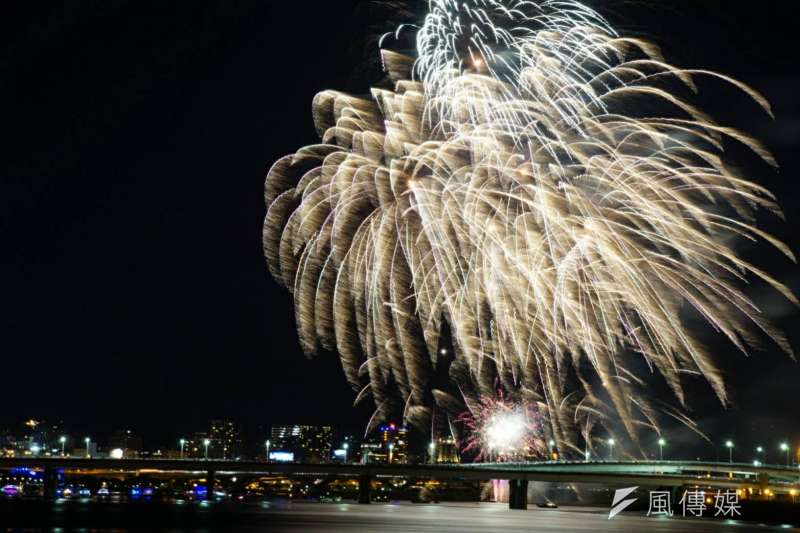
(653, 473)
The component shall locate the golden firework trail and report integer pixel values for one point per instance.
(506, 215)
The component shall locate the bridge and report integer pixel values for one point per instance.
(666, 474)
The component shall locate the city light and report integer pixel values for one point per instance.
(661, 443)
(87, 440)
(611, 443)
(282, 457)
(345, 447)
(182, 443)
(63, 441)
(206, 442)
(786, 448)
(729, 445)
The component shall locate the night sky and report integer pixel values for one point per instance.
(133, 291)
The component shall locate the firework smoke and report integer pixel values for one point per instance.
(505, 215)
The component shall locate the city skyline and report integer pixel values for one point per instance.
(303, 443)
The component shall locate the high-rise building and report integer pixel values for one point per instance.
(308, 444)
(226, 439)
(446, 450)
(388, 445)
(194, 446)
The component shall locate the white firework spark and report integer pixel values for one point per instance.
(501, 429)
(503, 201)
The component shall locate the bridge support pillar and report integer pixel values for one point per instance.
(50, 483)
(364, 488)
(518, 494)
(210, 481)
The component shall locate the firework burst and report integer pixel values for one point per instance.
(504, 214)
(502, 429)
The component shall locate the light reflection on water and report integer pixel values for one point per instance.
(179, 515)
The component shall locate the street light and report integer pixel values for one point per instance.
(62, 440)
(760, 450)
(661, 444)
(552, 445)
(87, 440)
(786, 448)
(182, 442)
(268, 443)
(611, 443)
(391, 451)
(431, 449)
(345, 447)
(729, 445)
(206, 442)
(587, 455)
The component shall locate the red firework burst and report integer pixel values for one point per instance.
(500, 429)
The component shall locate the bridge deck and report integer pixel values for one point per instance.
(647, 473)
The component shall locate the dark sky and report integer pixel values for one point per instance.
(136, 137)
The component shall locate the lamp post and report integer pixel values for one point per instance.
(661, 444)
(552, 445)
(87, 440)
(345, 447)
(760, 451)
(63, 441)
(729, 445)
(206, 442)
(611, 443)
(182, 442)
(268, 445)
(587, 455)
(431, 450)
(391, 451)
(786, 448)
